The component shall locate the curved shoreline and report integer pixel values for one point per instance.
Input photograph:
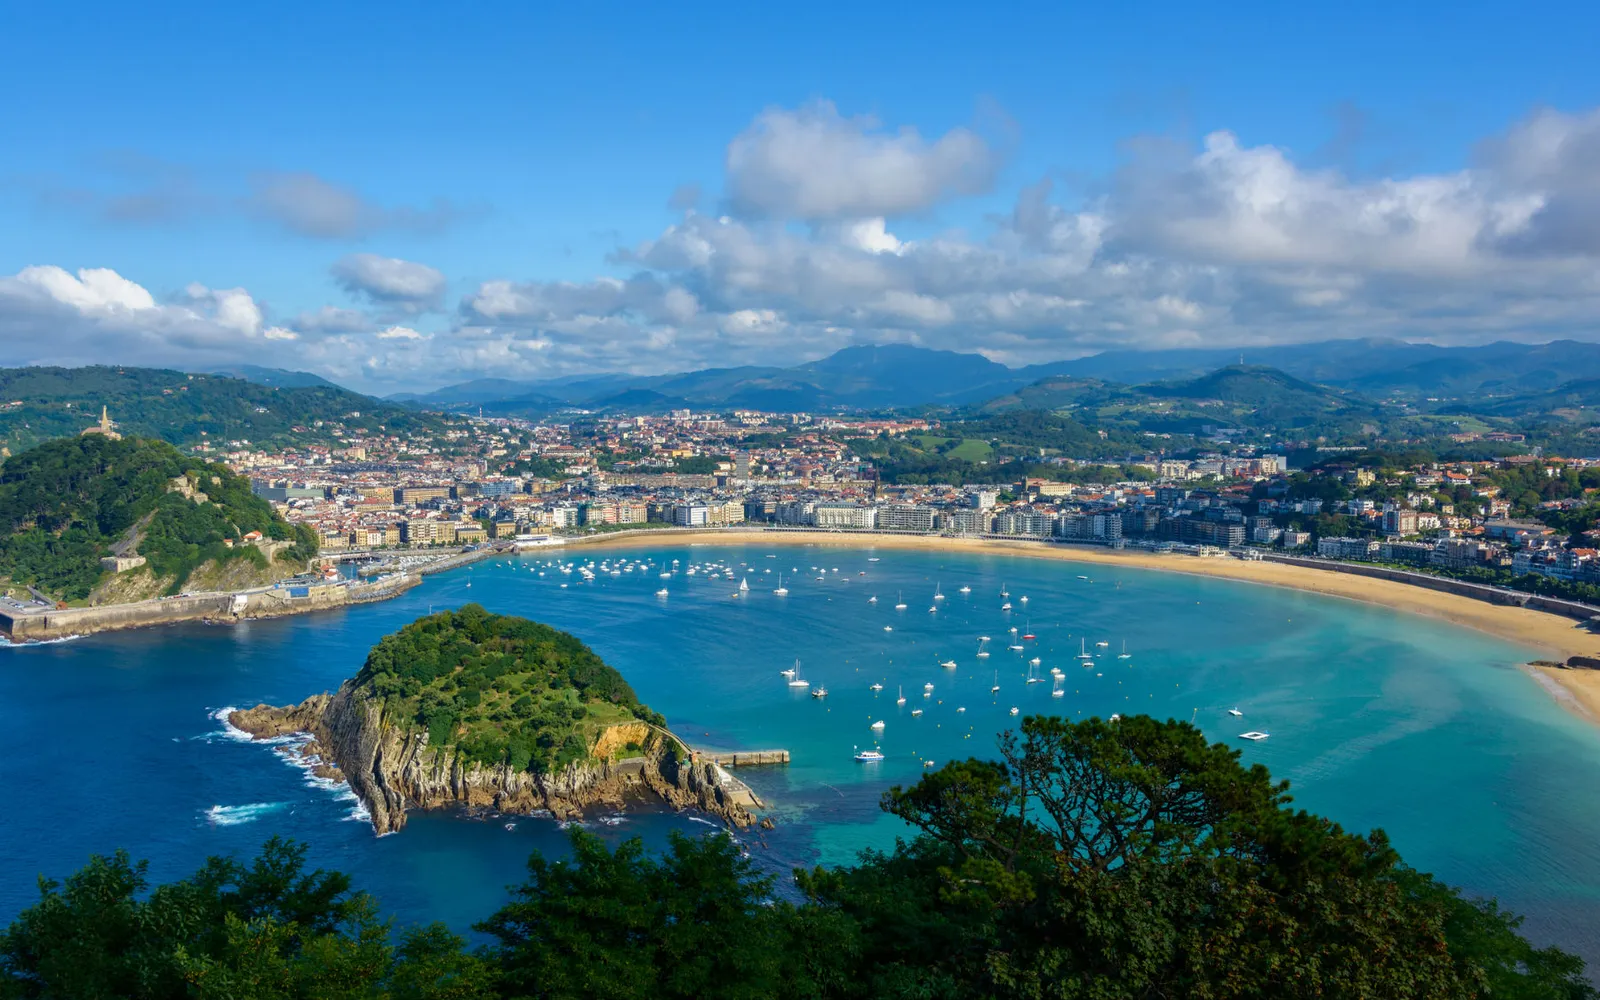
(1553, 636)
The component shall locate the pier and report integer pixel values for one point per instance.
(741, 758)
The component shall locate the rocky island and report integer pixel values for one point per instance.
(473, 710)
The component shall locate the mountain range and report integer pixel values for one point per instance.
(906, 377)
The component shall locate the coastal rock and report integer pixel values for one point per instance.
(392, 768)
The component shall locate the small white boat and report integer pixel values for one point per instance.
(916, 712)
(1235, 712)
(867, 756)
(875, 687)
(1083, 651)
(873, 599)
(1004, 592)
(948, 664)
(1058, 693)
(787, 673)
(872, 558)
(1124, 655)
(900, 602)
(877, 725)
(928, 686)
(782, 591)
(888, 628)
(963, 708)
(1102, 644)
(1016, 711)
(819, 691)
(1115, 717)
(932, 610)
(795, 681)
(1023, 598)
(901, 700)
(666, 576)
(1082, 577)
(1033, 662)
(1254, 736)
(1006, 606)
(662, 592)
(938, 595)
(929, 763)
(966, 590)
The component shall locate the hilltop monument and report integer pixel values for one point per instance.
(105, 427)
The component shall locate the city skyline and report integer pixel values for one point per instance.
(568, 193)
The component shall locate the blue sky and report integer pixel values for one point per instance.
(400, 195)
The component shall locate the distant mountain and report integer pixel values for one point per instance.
(901, 376)
(277, 378)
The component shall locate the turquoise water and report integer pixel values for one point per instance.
(1378, 719)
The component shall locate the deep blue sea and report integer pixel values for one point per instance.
(1377, 718)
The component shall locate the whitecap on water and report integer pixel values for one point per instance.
(235, 815)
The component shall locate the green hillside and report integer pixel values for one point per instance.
(37, 404)
(502, 689)
(69, 502)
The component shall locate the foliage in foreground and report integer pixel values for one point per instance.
(1096, 860)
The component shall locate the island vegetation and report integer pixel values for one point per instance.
(67, 503)
(1107, 860)
(501, 689)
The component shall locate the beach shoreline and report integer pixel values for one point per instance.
(1553, 637)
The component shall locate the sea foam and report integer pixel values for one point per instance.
(237, 815)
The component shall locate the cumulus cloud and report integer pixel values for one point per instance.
(390, 280)
(815, 164)
(1219, 242)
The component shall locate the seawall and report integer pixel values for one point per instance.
(268, 602)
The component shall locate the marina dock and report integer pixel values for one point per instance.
(742, 758)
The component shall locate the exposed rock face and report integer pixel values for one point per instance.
(392, 768)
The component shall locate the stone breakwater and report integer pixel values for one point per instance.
(273, 602)
(392, 768)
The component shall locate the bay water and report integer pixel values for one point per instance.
(1377, 718)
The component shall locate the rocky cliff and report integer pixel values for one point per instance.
(393, 769)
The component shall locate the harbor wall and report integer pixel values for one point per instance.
(227, 607)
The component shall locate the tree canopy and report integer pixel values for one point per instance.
(66, 503)
(502, 689)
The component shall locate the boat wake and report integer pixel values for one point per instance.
(239, 815)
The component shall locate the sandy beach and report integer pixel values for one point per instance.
(1551, 637)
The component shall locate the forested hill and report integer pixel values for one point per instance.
(69, 502)
(37, 404)
(503, 689)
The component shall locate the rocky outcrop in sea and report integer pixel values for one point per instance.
(392, 768)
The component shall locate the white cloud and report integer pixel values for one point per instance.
(94, 289)
(400, 333)
(813, 163)
(390, 280)
(308, 205)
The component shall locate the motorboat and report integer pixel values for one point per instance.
(1016, 711)
(820, 691)
(1235, 712)
(662, 592)
(1254, 736)
(877, 725)
(875, 687)
(965, 590)
(916, 712)
(948, 664)
(868, 756)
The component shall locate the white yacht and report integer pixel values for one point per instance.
(1004, 592)
(1102, 644)
(996, 682)
(744, 585)
(901, 700)
(1016, 711)
(868, 756)
(1083, 650)
(874, 686)
(1023, 598)
(820, 691)
(782, 591)
(795, 680)
(1058, 693)
(948, 664)
(1124, 655)
(873, 599)
(877, 725)
(1006, 606)
(888, 628)
(916, 712)
(1254, 736)
(938, 595)
(928, 686)
(965, 589)
(1234, 711)
(983, 654)
(900, 601)
(662, 592)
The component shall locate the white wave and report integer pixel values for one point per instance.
(616, 819)
(568, 824)
(24, 644)
(236, 815)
